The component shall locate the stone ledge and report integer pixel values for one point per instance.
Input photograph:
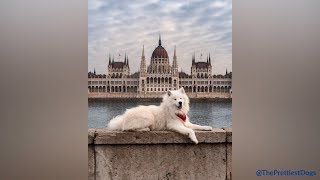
(91, 135)
(104, 136)
(229, 134)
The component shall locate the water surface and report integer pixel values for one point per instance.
(215, 114)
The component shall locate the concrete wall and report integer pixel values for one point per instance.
(159, 155)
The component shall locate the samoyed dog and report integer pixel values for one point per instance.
(170, 115)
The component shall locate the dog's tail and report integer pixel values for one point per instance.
(115, 123)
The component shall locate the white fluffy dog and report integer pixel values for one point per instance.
(170, 115)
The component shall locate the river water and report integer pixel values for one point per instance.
(215, 114)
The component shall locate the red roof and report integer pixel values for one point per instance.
(202, 64)
(135, 75)
(183, 75)
(159, 52)
(118, 65)
(93, 75)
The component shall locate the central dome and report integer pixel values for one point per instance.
(159, 52)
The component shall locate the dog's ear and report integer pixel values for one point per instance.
(169, 93)
(182, 90)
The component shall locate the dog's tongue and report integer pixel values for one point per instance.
(182, 116)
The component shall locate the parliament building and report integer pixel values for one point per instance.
(158, 77)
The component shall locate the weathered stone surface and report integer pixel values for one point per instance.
(161, 161)
(104, 136)
(91, 164)
(159, 155)
(229, 134)
(91, 135)
(229, 160)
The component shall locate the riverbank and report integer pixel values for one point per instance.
(113, 99)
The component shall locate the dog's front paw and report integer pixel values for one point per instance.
(193, 138)
(207, 128)
(195, 141)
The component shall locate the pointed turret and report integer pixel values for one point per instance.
(143, 52)
(127, 60)
(175, 63)
(226, 71)
(209, 59)
(94, 71)
(109, 59)
(112, 59)
(143, 68)
(193, 59)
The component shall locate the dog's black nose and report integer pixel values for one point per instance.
(180, 103)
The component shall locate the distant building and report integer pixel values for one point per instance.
(158, 77)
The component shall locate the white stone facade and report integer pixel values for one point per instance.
(158, 77)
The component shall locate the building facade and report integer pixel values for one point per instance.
(159, 77)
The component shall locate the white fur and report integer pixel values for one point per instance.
(163, 117)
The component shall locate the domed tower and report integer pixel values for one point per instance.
(159, 61)
(160, 76)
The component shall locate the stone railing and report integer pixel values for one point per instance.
(159, 155)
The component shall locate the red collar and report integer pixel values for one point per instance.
(182, 116)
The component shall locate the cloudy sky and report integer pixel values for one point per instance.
(193, 26)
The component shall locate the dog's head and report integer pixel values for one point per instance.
(177, 100)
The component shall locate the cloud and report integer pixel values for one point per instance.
(194, 26)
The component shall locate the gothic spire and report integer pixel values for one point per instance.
(174, 63)
(127, 60)
(109, 59)
(159, 39)
(142, 63)
(193, 58)
(209, 59)
(142, 51)
(94, 71)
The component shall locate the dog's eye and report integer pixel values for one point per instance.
(175, 99)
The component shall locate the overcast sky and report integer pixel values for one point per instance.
(193, 26)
